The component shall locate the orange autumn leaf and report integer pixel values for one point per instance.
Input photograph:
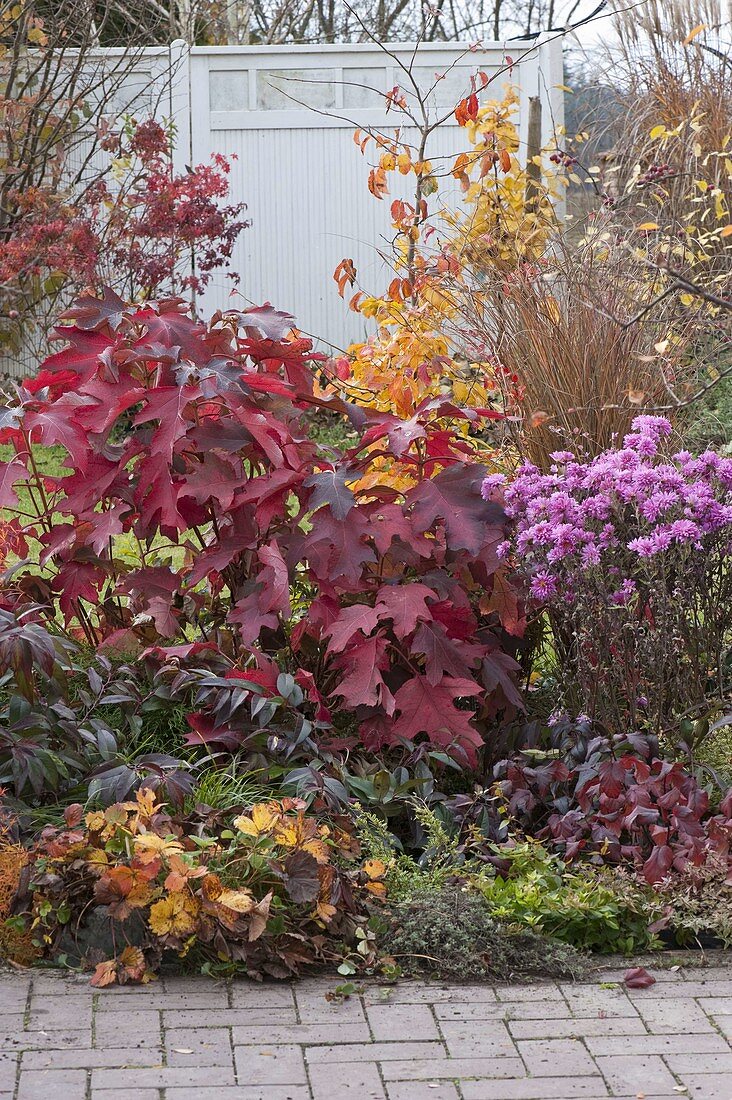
(377, 183)
(105, 973)
(131, 965)
(211, 887)
(344, 274)
(181, 873)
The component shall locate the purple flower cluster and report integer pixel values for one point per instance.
(632, 502)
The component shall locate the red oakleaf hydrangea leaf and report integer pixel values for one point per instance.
(638, 978)
(406, 605)
(424, 708)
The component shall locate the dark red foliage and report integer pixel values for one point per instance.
(621, 803)
(193, 440)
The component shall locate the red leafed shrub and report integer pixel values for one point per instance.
(618, 801)
(197, 510)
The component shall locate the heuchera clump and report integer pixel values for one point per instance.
(628, 553)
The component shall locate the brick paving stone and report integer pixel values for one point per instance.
(62, 1084)
(163, 1077)
(215, 998)
(315, 1009)
(693, 1044)
(717, 1006)
(697, 987)
(588, 1000)
(576, 1028)
(708, 1062)
(542, 991)
(373, 1052)
(202, 1046)
(255, 1092)
(45, 1040)
(452, 1068)
(393, 1022)
(270, 1065)
(245, 994)
(415, 1090)
(517, 1010)
(535, 1088)
(139, 1029)
(60, 1013)
(678, 1017)
(125, 1094)
(306, 1033)
(556, 1057)
(428, 993)
(723, 1024)
(74, 1058)
(636, 1073)
(358, 1082)
(477, 1039)
(707, 1086)
(8, 1071)
(229, 1017)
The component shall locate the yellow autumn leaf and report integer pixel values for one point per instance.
(693, 33)
(647, 226)
(174, 915)
(264, 817)
(303, 833)
(727, 231)
(374, 868)
(241, 901)
(36, 37)
(149, 846)
(657, 132)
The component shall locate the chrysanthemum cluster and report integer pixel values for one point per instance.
(583, 515)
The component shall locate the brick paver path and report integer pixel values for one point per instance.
(192, 1039)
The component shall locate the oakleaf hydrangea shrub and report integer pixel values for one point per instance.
(629, 555)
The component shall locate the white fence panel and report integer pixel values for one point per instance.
(287, 113)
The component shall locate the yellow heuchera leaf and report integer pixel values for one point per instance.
(264, 817)
(174, 915)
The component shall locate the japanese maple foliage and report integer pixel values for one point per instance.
(196, 510)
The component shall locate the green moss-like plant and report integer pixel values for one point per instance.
(451, 934)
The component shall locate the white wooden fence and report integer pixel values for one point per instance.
(287, 113)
